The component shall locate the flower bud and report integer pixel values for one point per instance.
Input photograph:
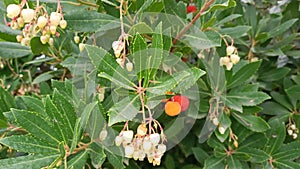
(63, 24)
(55, 18)
(51, 41)
(254, 59)
(293, 126)
(142, 130)
(43, 39)
(19, 38)
(129, 150)
(230, 50)
(290, 132)
(118, 140)
(234, 58)
(103, 135)
(76, 39)
(20, 22)
(53, 29)
(142, 155)
(129, 66)
(27, 15)
(224, 61)
(135, 155)
(119, 61)
(229, 66)
(81, 47)
(127, 136)
(221, 130)
(154, 138)
(295, 136)
(161, 148)
(236, 144)
(215, 121)
(42, 21)
(13, 10)
(147, 146)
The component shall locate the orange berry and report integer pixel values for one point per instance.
(183, 101)
(172, 108)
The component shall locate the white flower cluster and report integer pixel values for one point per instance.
(231, 58)
(142, 145)
(35, 23)
(292, 130)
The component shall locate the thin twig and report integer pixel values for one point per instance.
(188, 26)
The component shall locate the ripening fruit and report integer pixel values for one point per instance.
(183, 101)
(191, 9)
(27, 15)
(172, 108)
(55, 18)
(42, 21)
(13, 10)
(63, 24)
(142, 130)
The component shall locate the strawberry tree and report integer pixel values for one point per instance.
(137, 84)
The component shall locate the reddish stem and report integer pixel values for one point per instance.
(188, 26)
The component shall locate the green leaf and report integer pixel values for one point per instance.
(67, 112)
(257, 140)
(233, 162)
(97, 154)
(104, 62)
(140, 56)
(276, 137)
(236, 100)
(115, 160)
(36, 125)
(274, 74)
(90, 21)
(30, 161)
(6, 102)
(77, 161)
(189, 81)
(118, 82)
(57, 118)
(37, 47)
(156, 51)
(227, 19)
(257, 155)
(225, 5)
(91, 120)
(67, 89)
(13, 50)
(235, 32)
(8, 34)
(273, 108)
(34, 104)
(282, 28)
(243, 74)
(126, 109)
(26, 143)
(78, 132)
(282, 99)
(293, 92)
(288, 151)
(44, 77)
(251, 122)
(286, 164)
(140, 28)
(171, 7)
(200, 154)
(213, 163)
